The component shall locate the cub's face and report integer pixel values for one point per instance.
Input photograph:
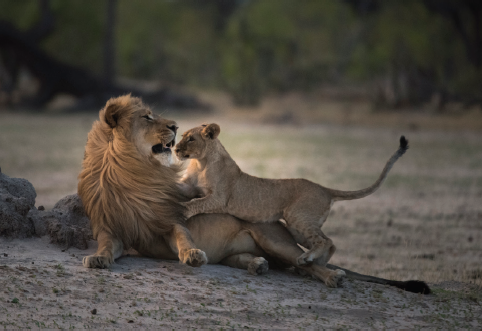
(196, 141)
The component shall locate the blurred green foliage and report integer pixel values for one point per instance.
(265, 45)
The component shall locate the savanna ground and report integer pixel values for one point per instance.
(424, 223)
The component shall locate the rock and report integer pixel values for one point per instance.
(72, 227)
(17, 198)
(66, 224)
(40, 221)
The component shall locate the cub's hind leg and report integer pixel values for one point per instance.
(304, 221)
(255, 265)
(279, 244)
(314, 252)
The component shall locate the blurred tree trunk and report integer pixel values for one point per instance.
(469, 29)
(109, 43)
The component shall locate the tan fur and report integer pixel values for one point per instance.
(238, 244)
(224, 238)
(129, 192)
(304, 205)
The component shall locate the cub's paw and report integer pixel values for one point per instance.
(305, 258)
(335, 279)
(97, 261)
(193, 257)
(258, 266)
(187, 213)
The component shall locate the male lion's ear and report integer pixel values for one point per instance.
(113, 109)
(111, 115)
(211, 131)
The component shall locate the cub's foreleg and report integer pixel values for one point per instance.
(209, 204)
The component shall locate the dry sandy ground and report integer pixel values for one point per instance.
(44, 286)
(425, 223)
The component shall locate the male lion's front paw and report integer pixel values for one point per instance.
(193, 257)
(258, 266)
(97, 261)
(335, 279)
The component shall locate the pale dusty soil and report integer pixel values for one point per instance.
(52, 290)
(424, 223)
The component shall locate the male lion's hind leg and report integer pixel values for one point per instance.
(182, 244)
(109, 249)
(332, 278)
(254, 265)
(275, 240)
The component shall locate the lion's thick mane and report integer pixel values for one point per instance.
(124, 193)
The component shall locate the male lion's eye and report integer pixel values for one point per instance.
(147, 117)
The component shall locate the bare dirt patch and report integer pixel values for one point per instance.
(48, 288)
(424, 223)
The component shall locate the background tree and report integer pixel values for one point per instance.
(406, 52)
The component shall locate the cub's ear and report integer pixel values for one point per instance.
(211, 131)
(114, 108)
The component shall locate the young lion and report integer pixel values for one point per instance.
(304, 205)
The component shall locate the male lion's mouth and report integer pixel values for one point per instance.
(163, 148)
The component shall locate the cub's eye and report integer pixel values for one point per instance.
(190, 139)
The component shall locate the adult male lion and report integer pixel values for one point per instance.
(128, 189)
(130, 192)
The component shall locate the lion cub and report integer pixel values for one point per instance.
(304, 205)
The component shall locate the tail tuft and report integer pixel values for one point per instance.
(415, 286)
(403, 145)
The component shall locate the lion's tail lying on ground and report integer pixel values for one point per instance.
(350, 195)
(415, 286)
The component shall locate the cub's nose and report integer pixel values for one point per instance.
(173, 128)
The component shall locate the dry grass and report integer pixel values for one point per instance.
(424, 223)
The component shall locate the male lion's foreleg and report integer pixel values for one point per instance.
(182, 244)
(109, 249)
(255, 265)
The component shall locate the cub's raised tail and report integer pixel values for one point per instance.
(351, 195)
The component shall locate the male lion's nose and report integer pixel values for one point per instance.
(173, 128)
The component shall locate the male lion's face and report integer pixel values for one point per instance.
(196, 141)
(152, 135)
